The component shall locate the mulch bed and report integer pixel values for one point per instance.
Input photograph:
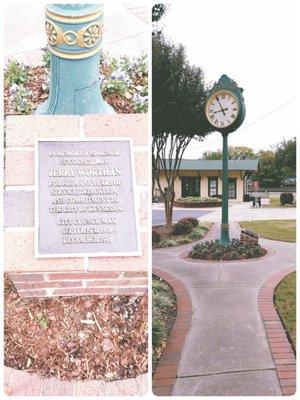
(76, 338)
(37, 77)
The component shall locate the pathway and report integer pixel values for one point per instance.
(226, 351)
(158, 216)
(21, 383)
(245, 212)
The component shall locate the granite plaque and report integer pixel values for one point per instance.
(85, 198)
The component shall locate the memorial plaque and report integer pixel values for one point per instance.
(85, 198)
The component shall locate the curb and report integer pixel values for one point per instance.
(166, 371)
(280, 347)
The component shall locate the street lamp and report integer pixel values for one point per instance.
(225, 111)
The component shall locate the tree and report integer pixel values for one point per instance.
(158, 11)
(285, 156)
(178, 99)
(268, 174)
(234, 153)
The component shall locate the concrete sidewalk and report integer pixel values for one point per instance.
(125, 31)
(245, 212)
(226, 351)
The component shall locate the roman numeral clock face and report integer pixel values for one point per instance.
(222, 109)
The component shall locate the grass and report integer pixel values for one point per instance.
(170, 240)
(285, 301)
(283, 229)
(275, 203)
(163, 316)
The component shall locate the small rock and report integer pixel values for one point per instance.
(89, 315)
(78, 363)
(88, 304)
(8, 390)
(107, 345)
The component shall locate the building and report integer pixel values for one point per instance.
(203, 178)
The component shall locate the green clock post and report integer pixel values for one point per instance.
(225, 112)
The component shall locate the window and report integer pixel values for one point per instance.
(190, 186)
(212, 186)
(232, 188)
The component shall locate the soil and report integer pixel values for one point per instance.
(37, 77)
(76, 338)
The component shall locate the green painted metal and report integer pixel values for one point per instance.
(224, 238)
(74, 33)
(229, 85)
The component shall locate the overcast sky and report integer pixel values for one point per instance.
(253, 42)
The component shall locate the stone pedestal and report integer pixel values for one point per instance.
(84, 274)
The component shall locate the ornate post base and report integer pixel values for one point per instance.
(74, 35)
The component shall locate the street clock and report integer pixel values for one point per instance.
(225, 108)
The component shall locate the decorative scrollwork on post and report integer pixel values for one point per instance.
(55, 35)
(88, 36)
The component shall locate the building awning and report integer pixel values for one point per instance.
(215, 165)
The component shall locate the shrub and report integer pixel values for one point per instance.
(197, 234)
(286, 198)
(183, 240)
(234, 250)
(182, 227)
(156, 236)
(189, 220)
(199, 199)
(167, 243)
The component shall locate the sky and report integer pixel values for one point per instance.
(254, 43)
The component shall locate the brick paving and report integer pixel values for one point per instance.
(224, 349)
(281, 349)
(21, 383)
(165, 374)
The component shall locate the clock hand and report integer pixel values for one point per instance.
(220, 105)
(223, 109)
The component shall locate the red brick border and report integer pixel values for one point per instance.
(166, 371)
(281, 349)
(76, 283)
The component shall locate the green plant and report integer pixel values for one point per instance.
(19, 99)
(234, 250)
(156, 236)
(286, 198)
(196, 234)
(167, 243)
(199, 200)
(46, 58)
(183, 227)
(183, 240)
(42, 321)
(15, 73)
(163, 315)
(189, 220)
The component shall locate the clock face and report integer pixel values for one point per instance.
(222, 109)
